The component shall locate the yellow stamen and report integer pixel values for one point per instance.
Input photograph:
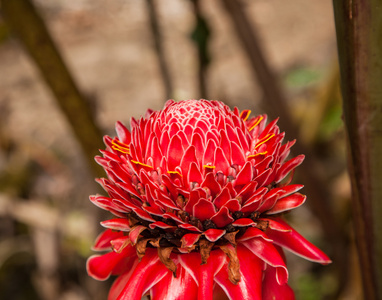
(174, 172)
(139, 163)
(256, 123)
(247, 113)
(121, 147)
(257, 154)
(265, 139)
(209, 167)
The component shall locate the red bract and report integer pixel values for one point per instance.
(198, 192)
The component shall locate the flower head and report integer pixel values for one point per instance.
(198, 192)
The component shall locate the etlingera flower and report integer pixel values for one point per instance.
(198, 192)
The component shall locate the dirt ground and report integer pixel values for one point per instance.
(109, 49)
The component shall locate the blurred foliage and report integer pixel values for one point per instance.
(302, 77)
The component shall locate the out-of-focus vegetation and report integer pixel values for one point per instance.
(127, 56)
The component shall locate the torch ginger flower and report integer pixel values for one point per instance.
(198, 192)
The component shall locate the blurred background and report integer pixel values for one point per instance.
(125, 56)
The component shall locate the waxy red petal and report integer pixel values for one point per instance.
(296, 243)
(189, 239)
(268, 253)
(222, 218)
(147, 274)
(117, 224)
(222, 198)
(214, 234)
(160, 224)
(104, 238)
(181, 287)
(287, 203)
(135, 232)
(289, 166)
(272, 289)
(220, 161)
(245, 175)
(204, 210)
(244, 222)
(203, 274)
(211, 183)
(100, 267)
(249, 287)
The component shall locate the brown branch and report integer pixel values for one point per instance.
(359, 31)
(24, 20)
(155, 28)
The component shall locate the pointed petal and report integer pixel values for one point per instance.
(188, 158)
(203, 274)
(222, 218)
(287, 203)
(208, 157)
(147, 273)
(160, 224)
(244, 222)
(296, 243)
(289, 166)
(135, 232)
(272, 290)
(204, 210)
(100, 267)
(245, 175)
(123, 133)
(249, 287)
(104, 238)
(197, 141)
(174, 152)
(117, 224)
(214, 234)
(194, 174)
(220, 161)
(211, 183)
(268, 253)
(233, 205)
(120, 283)
(181, 287)
(189, 239)
(253, 232)
(222, 198)
(238, 157)
(189, 227)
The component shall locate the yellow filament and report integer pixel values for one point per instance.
(117, 145)
(256, 123)
(245, 111)
(265, 139)
(209, 167)
(174, 172)
(139, 163)
(257, 154)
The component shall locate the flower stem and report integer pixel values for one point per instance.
(359, 31)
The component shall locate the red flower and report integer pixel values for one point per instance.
(198, 191)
